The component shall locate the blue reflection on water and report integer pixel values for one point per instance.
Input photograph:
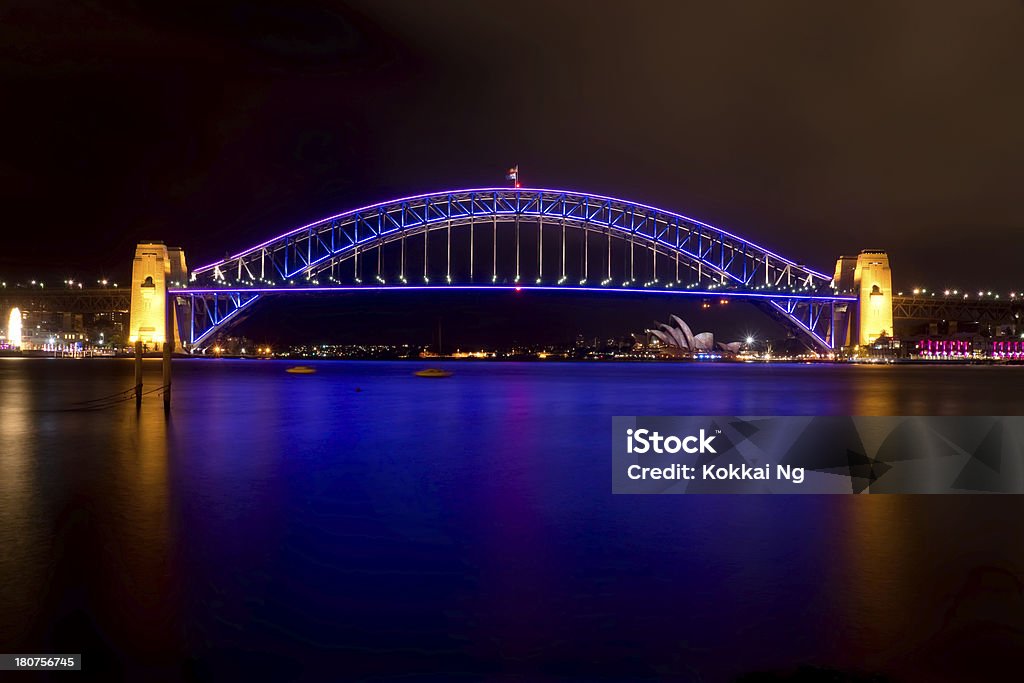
(368, 523)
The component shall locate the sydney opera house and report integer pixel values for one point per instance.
(676, 339)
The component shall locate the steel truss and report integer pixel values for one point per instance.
(202, 315)
(673, 251)
(813, 320)
(96, 300)
(994, 311)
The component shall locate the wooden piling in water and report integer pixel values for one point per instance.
(138, 373)
(168, 349)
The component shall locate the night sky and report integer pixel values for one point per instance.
(814, 128)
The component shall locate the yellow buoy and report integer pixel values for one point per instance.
(433, 372)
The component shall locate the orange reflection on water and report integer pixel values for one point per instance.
(24, 539)
(87, 561)
(873, 391)
(142, 592)
(932, 586)
(874, 578)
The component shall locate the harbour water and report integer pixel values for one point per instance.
(361, 523)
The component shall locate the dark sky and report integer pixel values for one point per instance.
(813, 128)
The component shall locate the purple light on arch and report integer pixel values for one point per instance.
(520, 191)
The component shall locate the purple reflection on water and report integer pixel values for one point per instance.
(282, 525)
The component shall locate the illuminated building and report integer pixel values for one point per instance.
(1008, 349)
(155, 265)
(679, 339)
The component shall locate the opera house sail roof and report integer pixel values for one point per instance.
(676, 335)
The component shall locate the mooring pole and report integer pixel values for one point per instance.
(168, 349)
(138, 373)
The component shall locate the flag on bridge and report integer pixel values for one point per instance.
(513, 175)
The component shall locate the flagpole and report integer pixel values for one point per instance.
(513, 175)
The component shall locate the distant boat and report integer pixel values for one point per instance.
(301, 370)
(433, 372)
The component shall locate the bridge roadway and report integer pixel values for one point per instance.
(65, 300)
(958, 309)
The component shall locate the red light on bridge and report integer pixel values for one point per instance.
(519, 289)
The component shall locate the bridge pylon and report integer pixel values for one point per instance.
(868, 277)
(156, 267)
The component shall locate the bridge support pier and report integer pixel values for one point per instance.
(138, 373)
(868, 277)
(155, 269)
(168, 350)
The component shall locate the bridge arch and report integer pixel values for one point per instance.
(676, 253)
(305, 251)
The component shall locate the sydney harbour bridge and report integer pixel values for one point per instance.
(519, 239)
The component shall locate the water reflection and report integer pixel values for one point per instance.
(468, 526)
(24, 538)
(873, 578)
(88, 563)
(932, 587)
(138, 537)
(874, 393)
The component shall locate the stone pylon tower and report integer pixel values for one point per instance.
(868, 277)
(155, 267)
(874, 289)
